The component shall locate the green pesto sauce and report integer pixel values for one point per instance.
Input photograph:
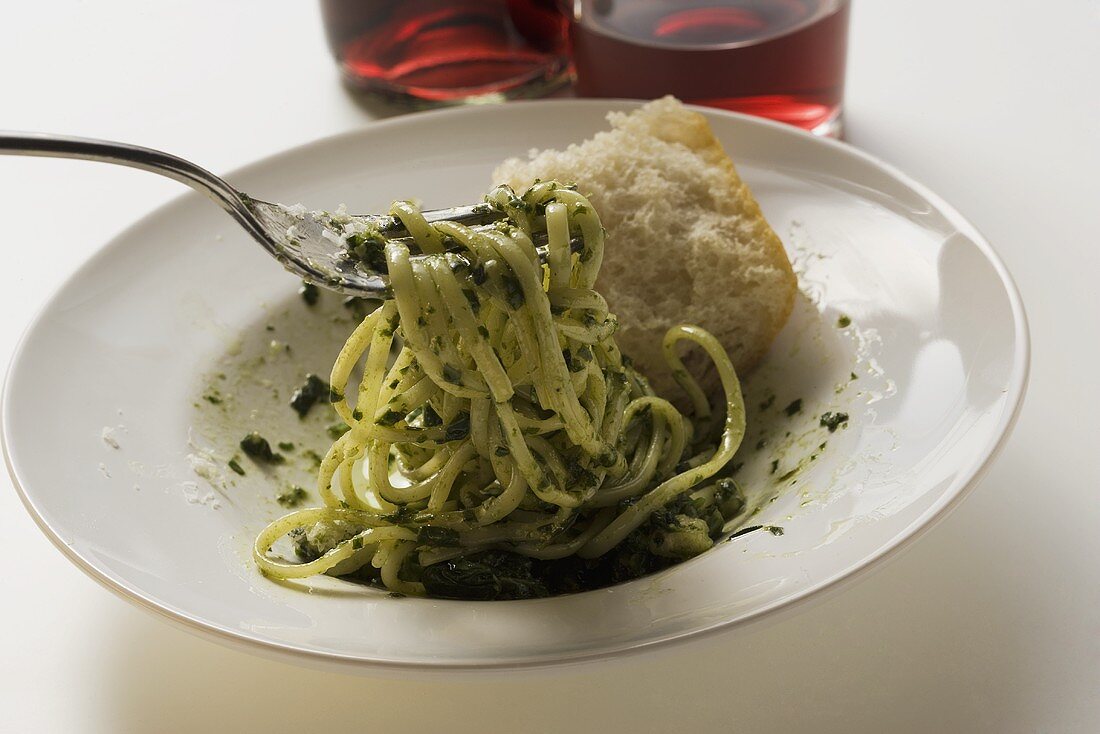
(313, 457)
(292, 497)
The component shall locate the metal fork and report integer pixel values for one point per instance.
(307, 254)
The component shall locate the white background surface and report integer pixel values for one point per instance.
(991, 623)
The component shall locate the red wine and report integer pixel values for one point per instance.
(781, 59)
(449, 50)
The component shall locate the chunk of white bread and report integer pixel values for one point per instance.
(686, 240)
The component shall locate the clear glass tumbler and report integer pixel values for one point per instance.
(430, 52)
(781, 59)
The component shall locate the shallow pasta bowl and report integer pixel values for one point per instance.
(883, 400)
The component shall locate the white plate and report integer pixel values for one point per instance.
(938, 342)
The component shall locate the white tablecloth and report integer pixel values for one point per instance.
(991, 623)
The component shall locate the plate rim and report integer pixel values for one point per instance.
(960, 487)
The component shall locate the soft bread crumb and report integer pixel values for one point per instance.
(686, 241)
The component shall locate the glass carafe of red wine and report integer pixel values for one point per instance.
(781, 59)
(429, 52)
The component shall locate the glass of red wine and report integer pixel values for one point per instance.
(430, 52)
(780, 59)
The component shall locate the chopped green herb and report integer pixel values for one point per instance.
(459, 428)
(471, 297)
(513, 291)
(286, 445)
(768, 402)
(403, 514)
(368, 248)
(501, 451)
(357, 543)
(794, 407)
(429, 417)
(389, 418)
(259, 449)
(312, 390)
(236, 466)
(309, 293)
(832, 420)
(775, 466)
(843, 322)
(774, 529)
(214, 398)
(336, 430)
(452, 374)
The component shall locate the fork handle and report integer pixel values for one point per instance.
(133, 156)
(197, 177)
